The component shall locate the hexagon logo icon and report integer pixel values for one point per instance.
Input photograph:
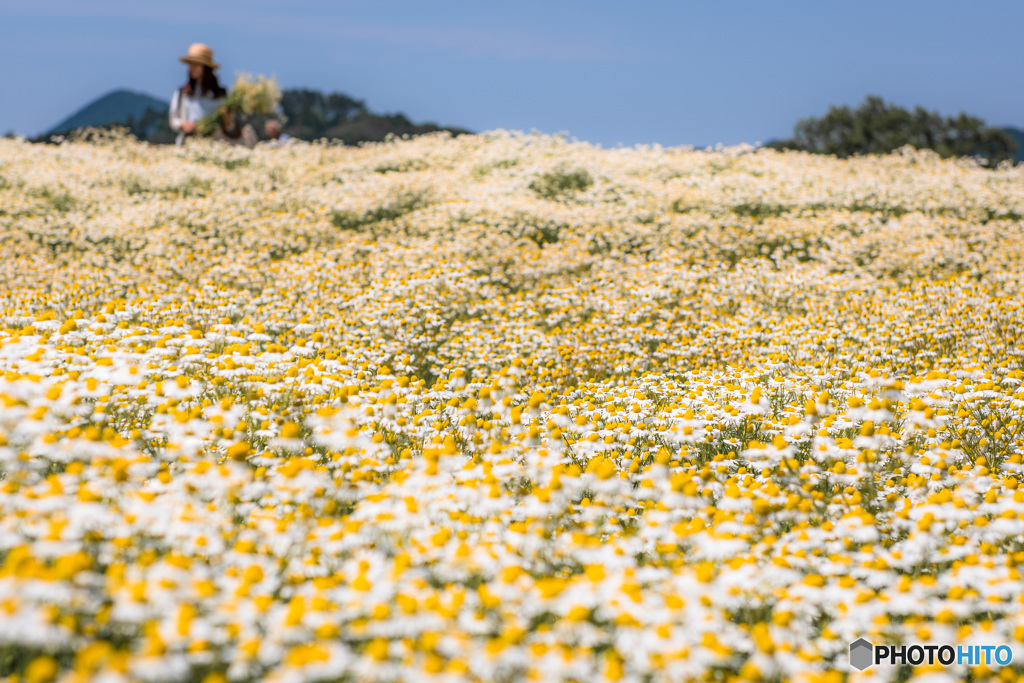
(862, 654)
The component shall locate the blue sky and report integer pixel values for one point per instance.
(608, 72)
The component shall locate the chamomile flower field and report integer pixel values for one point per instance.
(505, 407)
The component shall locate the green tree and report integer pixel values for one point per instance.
(876, 127)
(310, 114)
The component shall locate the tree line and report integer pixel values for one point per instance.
(878, 127)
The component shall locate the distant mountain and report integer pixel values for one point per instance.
(113, 108)
(308, 115)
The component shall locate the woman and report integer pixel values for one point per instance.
(202, 95)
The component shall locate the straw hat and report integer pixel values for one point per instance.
(200, 54)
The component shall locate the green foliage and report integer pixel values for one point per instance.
(876, 127)
(152, 125)
(310, 113)
(228, 163)
(190, 187)
(368, 127)
(402, 204)
(60, 201)
(561, 182)
(406, 166)
(1018, 137)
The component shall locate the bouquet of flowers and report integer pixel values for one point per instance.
(249, 95)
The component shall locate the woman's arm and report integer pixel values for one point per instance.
(175, 120)
(179, 123)
(228, 124)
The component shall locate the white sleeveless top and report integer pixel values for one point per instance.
(191, 108)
